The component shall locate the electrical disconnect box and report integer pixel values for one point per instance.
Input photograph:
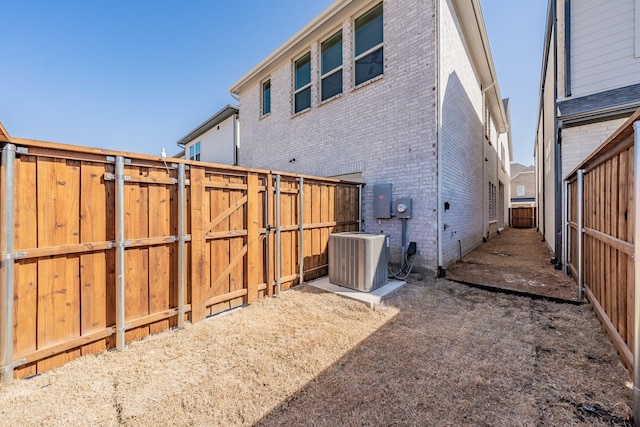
(403, 208)
(382, 201)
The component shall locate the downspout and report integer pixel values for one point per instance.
(441, 271)
(557, 151)
(236, 129)
(567, 48)
(543, 214)
(236, 139)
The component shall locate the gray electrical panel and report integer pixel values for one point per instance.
(403, 208)
(382, 201)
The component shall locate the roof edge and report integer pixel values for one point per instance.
(475, 31)
(4, 135)
(334, 8)
(208, 124)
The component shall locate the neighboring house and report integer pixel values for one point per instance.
(215, 140)
(590, 83)
(395, 91)
(523, 186)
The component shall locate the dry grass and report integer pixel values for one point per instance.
(437, 354)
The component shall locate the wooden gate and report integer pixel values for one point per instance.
(523, 217)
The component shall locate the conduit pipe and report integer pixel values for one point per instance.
(360, 221)
(6, 261)
(636, 278)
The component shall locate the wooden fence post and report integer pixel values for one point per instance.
(198, 244)
(254, 260)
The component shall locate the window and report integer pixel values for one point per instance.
(194, 151)
(487, 125)
(520, 190)
(368, 45)
(331, 68)
(266, 97)
(302, 83)
(492, 202)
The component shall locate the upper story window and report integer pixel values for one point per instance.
(520, 190)
(194, 151)
(302, 83)
(369, 60)
(331, 66)
(266, 98)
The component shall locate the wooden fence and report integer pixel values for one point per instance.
(523, 217)
(600, 197)
(102, 252)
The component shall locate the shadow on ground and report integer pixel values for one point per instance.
(454, 355)
(518, 260)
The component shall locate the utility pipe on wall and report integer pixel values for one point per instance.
(636, 278)
(360, 227)
(7, 262)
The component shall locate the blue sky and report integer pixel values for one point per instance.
(139, 75)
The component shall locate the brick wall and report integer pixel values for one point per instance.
(463, 144)
(386, 129)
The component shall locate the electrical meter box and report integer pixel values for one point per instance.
(403, 208)
(382, 201)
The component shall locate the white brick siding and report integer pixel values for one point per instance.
(385, 129)
(462, 139)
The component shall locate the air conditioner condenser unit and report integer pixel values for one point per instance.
(358, 260)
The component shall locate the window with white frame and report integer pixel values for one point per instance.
(194, 151)
(302, 83)
(493, 199)
(520, 190)
(369, 38)
(266, 98)
(331, 67)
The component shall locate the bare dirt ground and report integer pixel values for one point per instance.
(436, 353)
(518, 260)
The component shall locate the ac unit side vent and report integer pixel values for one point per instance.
(358, 260)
